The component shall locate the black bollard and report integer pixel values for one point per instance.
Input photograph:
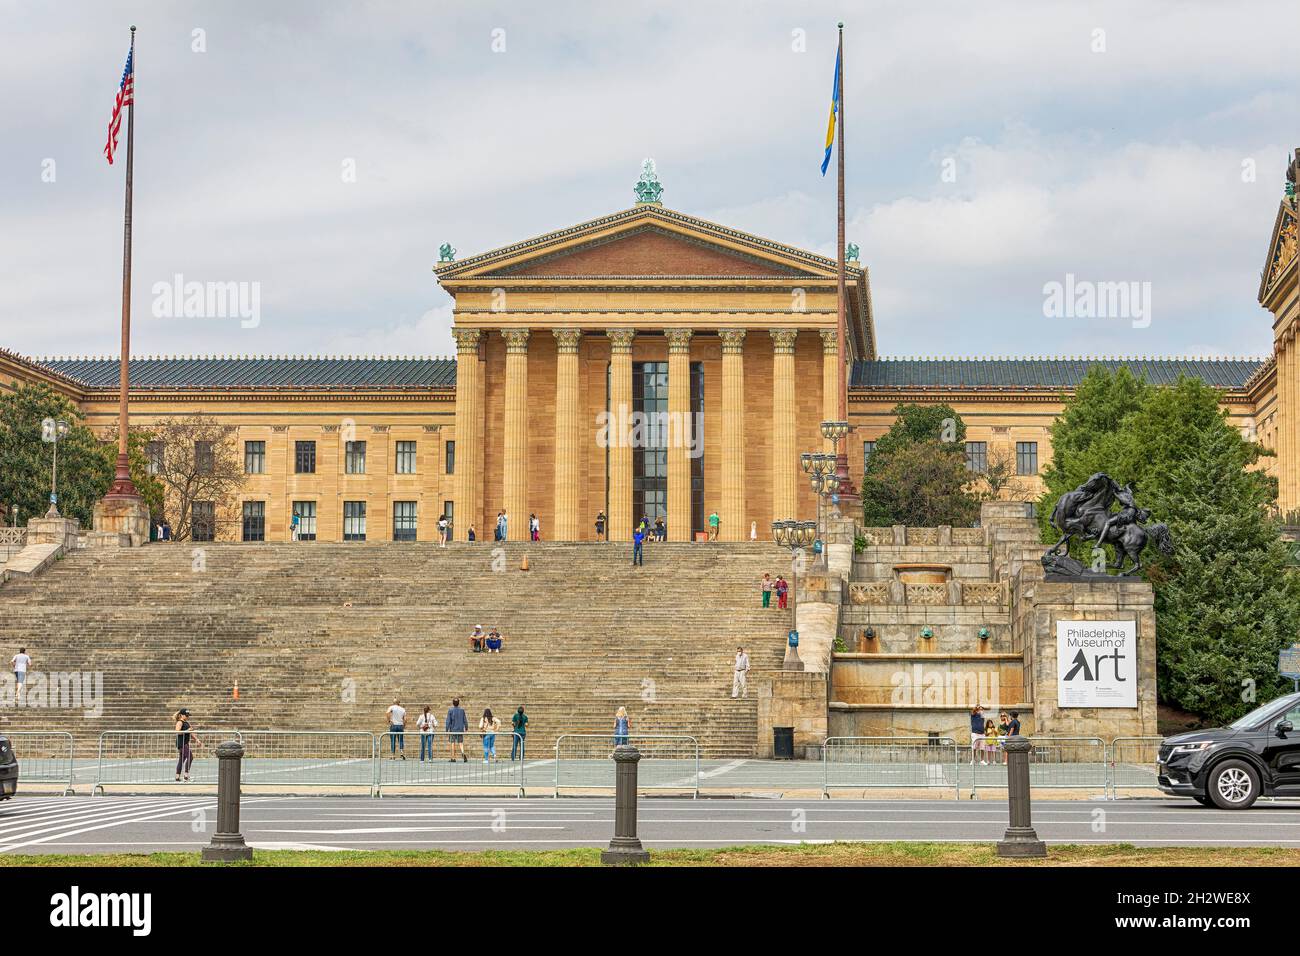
(1020, 840)
(227, 844)
(625, 847)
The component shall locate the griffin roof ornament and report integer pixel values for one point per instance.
(648, 188)
(446, 253)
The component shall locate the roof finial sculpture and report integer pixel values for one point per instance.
(648, 188)
(446, 253)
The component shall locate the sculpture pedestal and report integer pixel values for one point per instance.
(60, 531)
(120, 522)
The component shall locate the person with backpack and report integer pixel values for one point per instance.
(518, 723)
(426, 723)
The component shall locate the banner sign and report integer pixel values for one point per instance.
(1096, 663)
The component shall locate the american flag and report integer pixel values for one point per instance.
(125, 97)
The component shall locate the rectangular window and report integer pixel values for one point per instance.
(406, 457)
(451, 458)
(354, 457)
(306, 514)
(203, 521)
(867, 448)
(354, 521)
(977, 456)
(255, 458)
(153, 453)
(205, 459)
(254, 520)
(404, 521)
(1026, 458)
(449, 509)
(650, 457)
(304, 457)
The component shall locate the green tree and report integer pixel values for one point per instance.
(917, 474)
(85, 465)
(1225, 603)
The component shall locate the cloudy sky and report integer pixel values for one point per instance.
(325, 150)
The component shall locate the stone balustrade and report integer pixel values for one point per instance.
(966, 593)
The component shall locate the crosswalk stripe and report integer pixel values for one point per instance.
(67, 828)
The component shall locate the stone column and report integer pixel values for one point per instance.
(734, 526)
(468, 413)
(1283, 440)
(1288, 484)
(679, 434)
(515, 490)
(568, 445)
(785, 455)
(830, 383)
(620, 452)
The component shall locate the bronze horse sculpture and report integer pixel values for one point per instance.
(1085, 512)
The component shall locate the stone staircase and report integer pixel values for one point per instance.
(324, 636)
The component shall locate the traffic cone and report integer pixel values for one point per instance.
(523, 565)
(236, 693)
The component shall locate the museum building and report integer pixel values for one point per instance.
(644, 364)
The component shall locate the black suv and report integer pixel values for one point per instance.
(8, 769)
(1231, 767)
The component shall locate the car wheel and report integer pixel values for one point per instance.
(1233, 785)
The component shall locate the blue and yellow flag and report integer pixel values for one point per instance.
(835, 108)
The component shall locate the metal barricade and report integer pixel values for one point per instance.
(585, 761)
(460, 761)
(151, 757)
(308, 758)
(864, 763)
(1055, 762)
(43, 757)
(1132, 763)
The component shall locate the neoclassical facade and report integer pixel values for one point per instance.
(646, 363)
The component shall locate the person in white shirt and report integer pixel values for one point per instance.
(442, 531)
(740, 677)
(397, 728)
(20, 662)
(427, 724)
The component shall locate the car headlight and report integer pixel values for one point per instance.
(1193, 748)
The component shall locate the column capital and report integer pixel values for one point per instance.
(620, 340)
(567, 340)
(830, 341)
(733, 341)
(466, 339)
(783, 339)
(516, 340)
(679, 340)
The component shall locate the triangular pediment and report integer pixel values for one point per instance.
(648, 251)
(644, 242)
(1281, 249)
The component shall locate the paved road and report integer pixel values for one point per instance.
(139, 824)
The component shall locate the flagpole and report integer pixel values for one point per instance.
(122, 486)
(846, 489)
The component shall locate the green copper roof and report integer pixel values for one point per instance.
(258, 372)
(1042, 372)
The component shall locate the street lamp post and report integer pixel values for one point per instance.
(834, 432)
(795, 535)
(51, 431)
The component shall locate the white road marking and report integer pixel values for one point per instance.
(147, 817)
